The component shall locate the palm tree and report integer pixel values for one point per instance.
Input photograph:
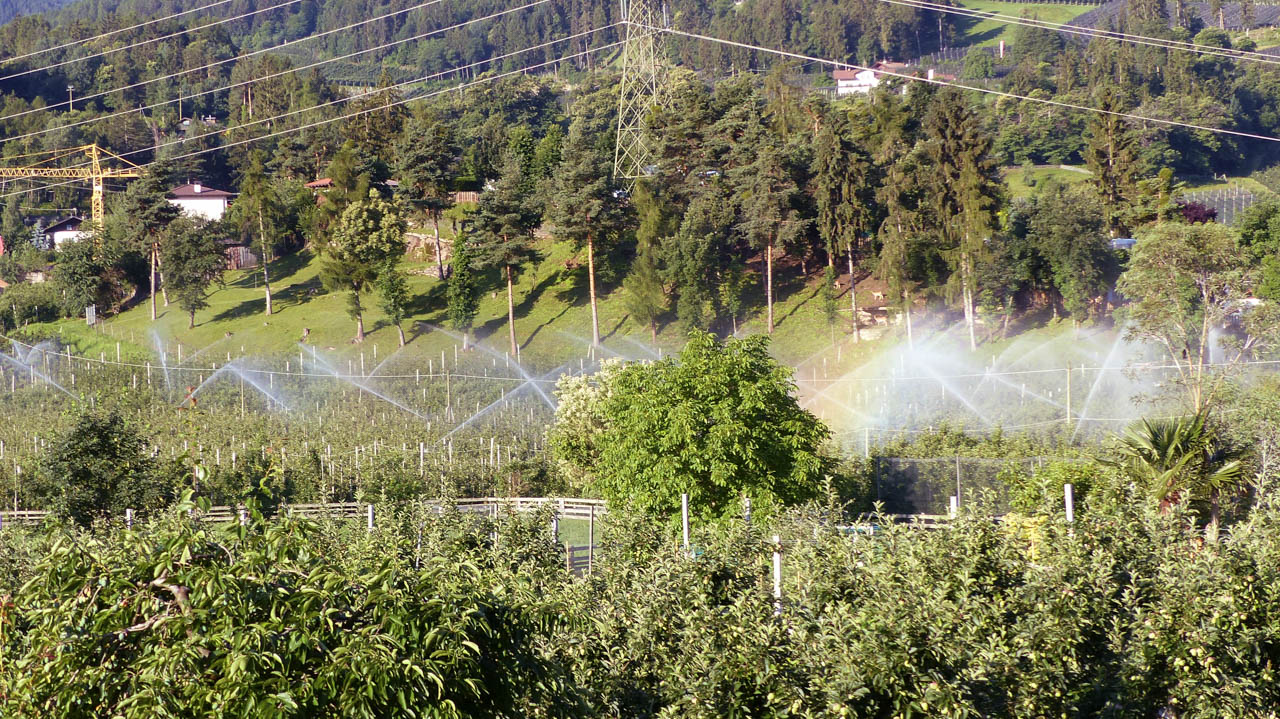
(1181, 459)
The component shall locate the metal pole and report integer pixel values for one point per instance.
(684, 519)
(777, 575)
(1068, 496)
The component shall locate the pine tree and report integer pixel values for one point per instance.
(844, 187)
(393, 294)
(463, 290)
(503, 230)
(427, 161)
(193, 258)
(147, 212)
(257, 214)
(646, 296)
(368, 236)
(965, 189)
(1110, 153)
(585, 207)
(766, 193)
(348, 184)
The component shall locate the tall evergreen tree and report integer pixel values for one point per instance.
(463, 290)
(965, 189)
(427, 158)
(147, 212)
(844, 188)
(257, 214)
(1111, 155)
(766, 193)
(193, 259)
(503, 229)
(393, 293)
(586, 208)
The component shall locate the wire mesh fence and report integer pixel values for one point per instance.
(909, 485)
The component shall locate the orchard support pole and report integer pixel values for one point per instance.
(777, 575)
(591, 539)
(684, 519)
(955, 506)
(1069, 498)
(370, 517)
(128, 519)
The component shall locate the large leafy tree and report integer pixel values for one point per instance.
(368, 236)
(586, 207)
(1184, 283)
(720, 421)
(503, 231)
(193, 258)
(1067, 226)
(393, 294)
(427, 157)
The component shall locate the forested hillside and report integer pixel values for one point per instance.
(10, 9)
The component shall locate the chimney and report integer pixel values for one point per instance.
(196, 188)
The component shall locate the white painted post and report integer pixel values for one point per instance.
(746, 509)
(777, 575)
(591, 539)
(1068, 495)
(128, 519)
(955, 506)
(684, 519)
(370, 517)
(244, 517)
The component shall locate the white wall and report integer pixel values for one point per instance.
(210, 209)
(67, 236)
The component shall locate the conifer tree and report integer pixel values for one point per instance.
(1110, 153)
(257, 213)
(193, 259)
(463, 290)
(427, 162)
(585, 206)
(147, 212)
(393, 294)
(844, 188)
(503, 230)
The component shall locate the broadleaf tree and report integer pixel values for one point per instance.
(368, 236)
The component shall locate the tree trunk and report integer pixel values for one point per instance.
(966, 279)
(653, 332)
(768, 280)
(591, 290)
(906, 306)
(154, 250)
(360, 327)
(401, 331)
(266, 251)
(191, 320)
(435, 220)
(853, 297)
(511, 312)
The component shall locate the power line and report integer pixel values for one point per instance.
(263, 78)
(945, 83)
(1097, 33)
(366, 111)
(33, 53)
(140, 43)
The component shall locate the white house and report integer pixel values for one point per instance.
(64, 230)
(850, 82)
(197, 200)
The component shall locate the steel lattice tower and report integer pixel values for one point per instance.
(639, 90)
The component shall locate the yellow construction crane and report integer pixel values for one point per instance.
(93, 171)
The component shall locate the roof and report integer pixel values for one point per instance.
(188, 192)
(321, 183)
(846, 74)
(65, 224)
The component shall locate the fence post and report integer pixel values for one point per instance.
(957, 497)
(244, 517)
(370, 517)
(1068, 496)
(955, 506)
(684, 519)
(591, 539)
(746, 509)
(777, 575)
(555, 528)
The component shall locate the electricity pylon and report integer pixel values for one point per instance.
(639, 90)
(94, 172)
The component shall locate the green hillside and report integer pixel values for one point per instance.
(553, 318)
